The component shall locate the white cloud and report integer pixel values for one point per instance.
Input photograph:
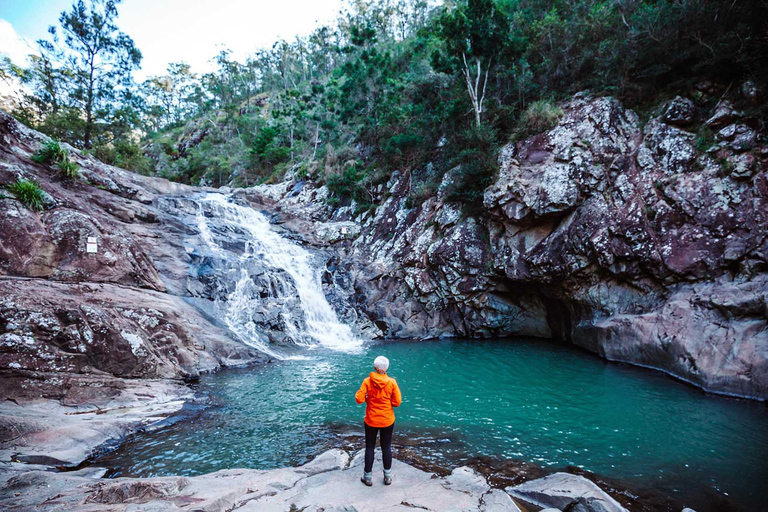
(193, 31)
(14, 46)
(196, 30)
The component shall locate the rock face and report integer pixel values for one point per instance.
(65, 432)
(634, 241)
(329, 482)
(82, 333)
(563, 491)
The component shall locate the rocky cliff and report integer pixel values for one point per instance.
(636, 240)
(93, 344)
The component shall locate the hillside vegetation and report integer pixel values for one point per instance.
(391, 85)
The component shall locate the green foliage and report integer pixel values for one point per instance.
(126, 154)
(726, 166)
(28, 192)
(475, 166)
(69, 169)
(80, 82)
(51, 152)
(392, 85)
(267, 149)
(268, 156)
(539, 117)
(474, 33)
(348, 185)
(704, 138)
(264, 140)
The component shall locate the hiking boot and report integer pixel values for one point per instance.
(367, 479)
(387, 478)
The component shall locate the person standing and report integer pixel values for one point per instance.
(381, 394)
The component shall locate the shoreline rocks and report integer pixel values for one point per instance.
(329, 482)
(45, 432)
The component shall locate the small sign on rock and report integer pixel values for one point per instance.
(91, 246)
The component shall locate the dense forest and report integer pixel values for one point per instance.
(390, 85)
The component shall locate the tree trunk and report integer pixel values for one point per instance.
(476, 96)
(89, 107)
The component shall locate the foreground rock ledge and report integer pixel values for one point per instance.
(328, 483)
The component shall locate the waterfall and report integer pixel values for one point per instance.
(265, 248)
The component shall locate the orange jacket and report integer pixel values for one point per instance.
(381, 393)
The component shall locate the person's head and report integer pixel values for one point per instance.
(381, 364)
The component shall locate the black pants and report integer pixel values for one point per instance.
(386, 445)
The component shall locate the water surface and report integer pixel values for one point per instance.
(523, 399)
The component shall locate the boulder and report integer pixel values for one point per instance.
(724, 114)
(497, 500)
(565, 491)
(680, 112)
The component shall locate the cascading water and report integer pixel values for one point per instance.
(265, 248)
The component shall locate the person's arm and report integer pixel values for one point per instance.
(362, 393)
(397, 398)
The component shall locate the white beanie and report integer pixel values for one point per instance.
(381, 363)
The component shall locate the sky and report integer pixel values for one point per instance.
(166, 31)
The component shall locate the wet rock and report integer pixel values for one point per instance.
(685, 337)
(109, 330)
(565, 491)
(52, 432)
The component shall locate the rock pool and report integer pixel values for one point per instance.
(521, 398)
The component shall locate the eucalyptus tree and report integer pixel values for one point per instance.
(170, 98)
(475, 32)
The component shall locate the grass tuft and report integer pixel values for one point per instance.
(28, 192)
(69, 169)
(51, 152)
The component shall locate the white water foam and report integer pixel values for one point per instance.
(323, 325)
